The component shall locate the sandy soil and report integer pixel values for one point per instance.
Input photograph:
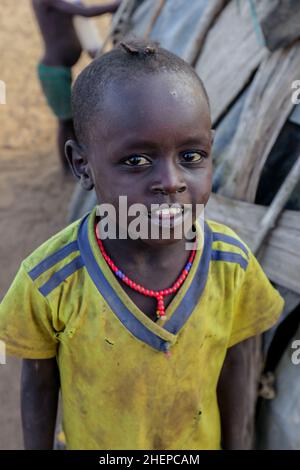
(33, 194)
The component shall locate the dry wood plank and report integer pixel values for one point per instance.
(121, 17)
(177, 26)
(280, 26)
(156, 14)
(212, 11)
(143, 16)
(230, 55)
(266, 109)
(278, 203)
(280, 252)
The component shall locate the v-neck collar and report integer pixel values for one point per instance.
(161, 334)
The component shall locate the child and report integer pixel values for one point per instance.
(62, 51)
(135, 331)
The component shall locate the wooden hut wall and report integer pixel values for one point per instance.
(173, 23)
(279, 255)
(249, 89)
(266, 109)
(231, 54)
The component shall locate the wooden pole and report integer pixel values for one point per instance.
(269, 220)
(212, 11)
(123, 11)
(156, 14)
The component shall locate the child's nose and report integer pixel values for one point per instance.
(169, 181)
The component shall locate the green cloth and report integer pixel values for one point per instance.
(56, 83)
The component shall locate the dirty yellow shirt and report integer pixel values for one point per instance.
(120, 390)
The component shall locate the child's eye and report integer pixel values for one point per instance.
(192, 156)
(136, 160)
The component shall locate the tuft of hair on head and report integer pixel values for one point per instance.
(141, 48)
(128, 61)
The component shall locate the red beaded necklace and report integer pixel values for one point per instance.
(159, 295)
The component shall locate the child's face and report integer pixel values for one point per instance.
(154, 143)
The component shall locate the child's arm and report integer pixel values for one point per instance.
(82, 10)
(257, 306)
(39, 400)
(234, 393)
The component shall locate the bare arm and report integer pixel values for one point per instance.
(39, 400)
(237, 395)
(82, 10)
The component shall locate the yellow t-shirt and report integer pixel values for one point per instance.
(119, 388)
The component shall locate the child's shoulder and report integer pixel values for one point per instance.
(223, 234)
(56, 248)
(217, 227)
(228, 249)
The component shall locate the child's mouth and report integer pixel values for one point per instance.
(168, 216)
(169, 213)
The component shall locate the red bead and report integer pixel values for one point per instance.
(147, 291)
(151, 292)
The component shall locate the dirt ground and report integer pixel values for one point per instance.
(34, 196)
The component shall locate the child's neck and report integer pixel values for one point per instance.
(156, 267)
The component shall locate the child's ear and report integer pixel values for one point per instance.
(79, 164)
